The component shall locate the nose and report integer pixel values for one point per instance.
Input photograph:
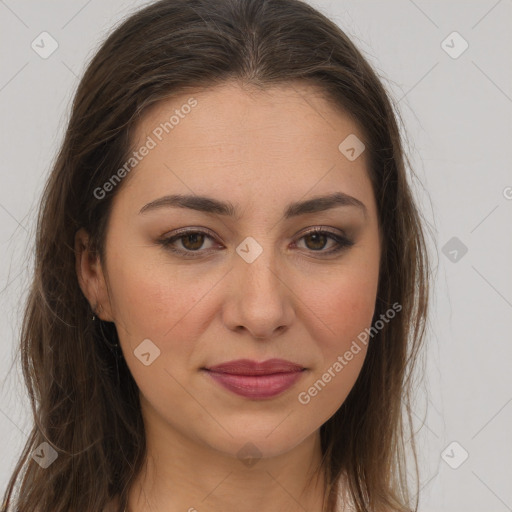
(258, 299)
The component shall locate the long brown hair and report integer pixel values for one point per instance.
(84, 400)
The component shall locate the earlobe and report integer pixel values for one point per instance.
(90, 276)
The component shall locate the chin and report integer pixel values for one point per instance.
(259, 439)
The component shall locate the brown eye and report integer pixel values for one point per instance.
(317, 239)
(193, 241)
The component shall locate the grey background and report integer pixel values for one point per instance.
(457, 114)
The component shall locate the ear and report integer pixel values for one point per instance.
(91, 277)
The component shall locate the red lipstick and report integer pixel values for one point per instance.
(256, 380)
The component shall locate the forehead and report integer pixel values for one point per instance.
(280, 141)
(234, 114)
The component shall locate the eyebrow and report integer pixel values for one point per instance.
(225, 208)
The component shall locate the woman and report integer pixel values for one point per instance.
(231, 279)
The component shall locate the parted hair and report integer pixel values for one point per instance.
(84, 400)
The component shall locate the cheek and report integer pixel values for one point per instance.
(345, 304)
(171, 307)
(152, 302)
(150, 298)
(346, 308)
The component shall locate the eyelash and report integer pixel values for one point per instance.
(341, 241)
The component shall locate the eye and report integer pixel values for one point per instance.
(316, 240)
(192, 241)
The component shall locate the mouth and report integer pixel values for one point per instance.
(256, 380)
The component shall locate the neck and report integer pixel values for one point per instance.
(179, 475)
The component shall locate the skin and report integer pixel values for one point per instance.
(260, 151)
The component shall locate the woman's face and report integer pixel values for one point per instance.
(255, 283)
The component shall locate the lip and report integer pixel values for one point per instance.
(256, 380)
